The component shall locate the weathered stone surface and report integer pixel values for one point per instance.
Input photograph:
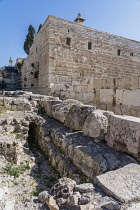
(106, 95)
(73, 199)
(17, 104)
(77, 115)
(96, 125)
(60, 111)
(111, 205)
(83, 188)
(134, 206)
(131, 98)
(64, 187)
(112, 161)
(124, 134)
(52, 204)
(48, 105)
(123, 184)
(44, 196)
(85, 199)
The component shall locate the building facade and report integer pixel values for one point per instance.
(64, 51)
(10, 76)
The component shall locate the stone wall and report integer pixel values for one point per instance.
(52, 60)
(120, 95)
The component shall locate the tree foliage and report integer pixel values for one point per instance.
(29, 39)
(39, 28)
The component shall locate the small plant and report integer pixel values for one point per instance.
(14, 170)
(19, 65)
(34, 192)
(15, 183)
(2, 111)
(17, 136)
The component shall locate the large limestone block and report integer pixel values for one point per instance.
(88, 97)
(60, 111)
(134, 82)
(119, 96)
(97, 83)
(139, 82)
(49, 104)
(123, 83)
(72, 95)
(124, 134)
(106, 95)
(123, 183)
(96, 124)
(131, 97)
(77, 116)
(110, 83)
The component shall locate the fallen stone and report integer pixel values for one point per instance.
(85, 199)
(52, 204)
(60, 111)
(77, 115)
(44, 196)
(123, 184)
(96, 124)
(63, 188)
(134, 207)
(111, 205)
(48, 105)
(124, 134)
(84, 188)
(86, 207)
(73, 199)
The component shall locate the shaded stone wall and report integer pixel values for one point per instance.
(61, 63)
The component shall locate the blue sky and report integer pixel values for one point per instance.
(120, 17)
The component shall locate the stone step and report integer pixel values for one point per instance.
(92, 157)
(123, 184)
(62, 163)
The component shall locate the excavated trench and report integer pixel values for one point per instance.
(38, 175)
(42, 169)
(32, 138)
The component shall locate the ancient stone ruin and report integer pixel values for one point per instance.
(63, 154)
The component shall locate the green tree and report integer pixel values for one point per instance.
(39, 28)
(29, 39)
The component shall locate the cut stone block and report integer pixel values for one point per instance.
(123, 184)
(49, 104)
(131, 98)
(96, 124)
(124, 134)
(60, 111)
(106, 95)
(77, 116)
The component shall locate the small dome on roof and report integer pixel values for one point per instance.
(79, 15)
(79, 19)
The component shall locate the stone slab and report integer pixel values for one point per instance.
(131, 98)
(124, 134)
(134, 206)
(123, 184)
